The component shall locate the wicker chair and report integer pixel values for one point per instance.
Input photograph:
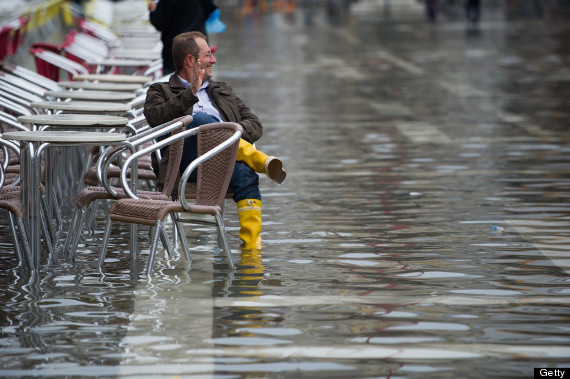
(99, 187)
(10, 200)
(137, 126)
(14, 206)
(217, 150)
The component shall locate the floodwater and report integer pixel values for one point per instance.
(422, 231)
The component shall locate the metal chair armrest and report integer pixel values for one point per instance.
(196, 162)
(149, 149)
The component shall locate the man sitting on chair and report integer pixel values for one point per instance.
(191, 91)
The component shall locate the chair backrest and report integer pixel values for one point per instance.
(14, 108)
(82, 48)
(11, 74)
(96, 45)
(143, 140)
(10, 151)
(27, 85)
(154, 70)
(9, 123)
(172, 175)
(4, 41)
(214, 173)
(98, 30)
(18, 95)
(6, 95)
(48, 64)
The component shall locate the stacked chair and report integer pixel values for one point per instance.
(11, 202)
(98, 177)
(11, 194)
(98, 48)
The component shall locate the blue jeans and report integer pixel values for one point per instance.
(244, 182)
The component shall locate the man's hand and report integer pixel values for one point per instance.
(197, 77)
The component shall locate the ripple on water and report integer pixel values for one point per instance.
(437, 275)
(271, 331)
(248, 341)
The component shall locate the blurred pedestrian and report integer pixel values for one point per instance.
(472, 12)
(431, 10)
(191, 90)
(172, 17)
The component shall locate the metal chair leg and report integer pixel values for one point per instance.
(25, 242)
(47, 238)
(184, 242)
(222, 231)
(45, 212)
(71, 232)
(74, 232)
(104, 245)
(173, 216)
(92, 214)
(153, 245)
(57, 212)
(16, 239)
(165, 241)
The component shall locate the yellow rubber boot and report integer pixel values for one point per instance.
(249, 213)
(261, 162)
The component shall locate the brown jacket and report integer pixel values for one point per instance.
(168, 100)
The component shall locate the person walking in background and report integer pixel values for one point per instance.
(472, 12)
(431, 10)
(191, 91)
(172, 17)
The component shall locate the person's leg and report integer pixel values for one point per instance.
(258, 161)
(476, 10)
(190, 150)
(245, 187)
(244, 184)
(261, 162)
(472, 11)
(431, 10)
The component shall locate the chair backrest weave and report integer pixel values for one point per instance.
(172, 176)
(215, 173)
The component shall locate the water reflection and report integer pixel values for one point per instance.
(233, 323)
(61, 320)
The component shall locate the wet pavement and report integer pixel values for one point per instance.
(422, 230)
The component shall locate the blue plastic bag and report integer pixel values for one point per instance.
(214, 24)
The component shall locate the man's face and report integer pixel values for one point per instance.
(207, 59)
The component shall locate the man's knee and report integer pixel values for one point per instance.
(201, 118)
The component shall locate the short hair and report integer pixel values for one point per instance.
(184, 44)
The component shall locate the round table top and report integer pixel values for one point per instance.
(82, 106)
(65, 137)
(73, 120)
(114, 78)
(100, 86)
(92, 95)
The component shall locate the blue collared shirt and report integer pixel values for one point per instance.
(204, 103)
